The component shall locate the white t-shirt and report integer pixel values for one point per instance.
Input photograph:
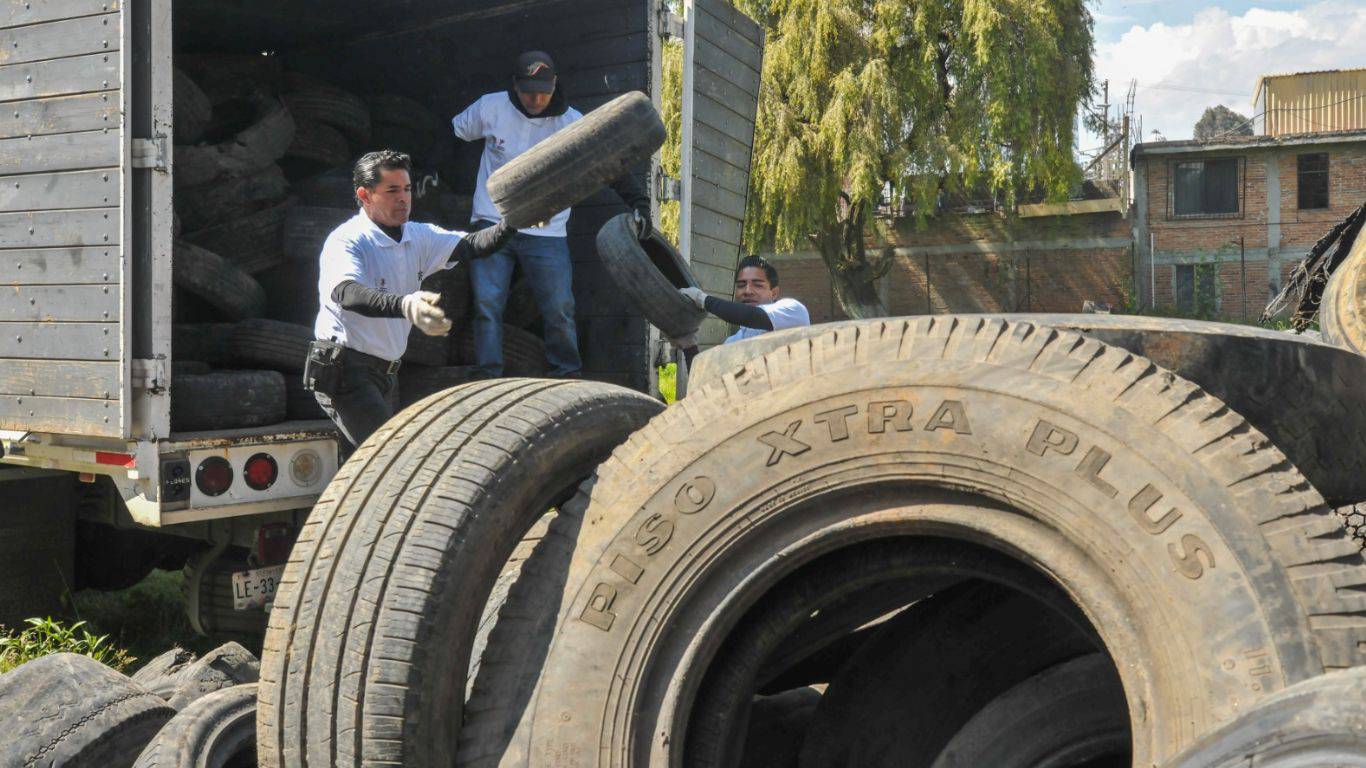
(783, 313)
(507, 133)
(359, 250)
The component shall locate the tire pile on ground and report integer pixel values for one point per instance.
(263, 173)
(178, 711)
(939, 542)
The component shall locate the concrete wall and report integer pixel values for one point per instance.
(1254, 250)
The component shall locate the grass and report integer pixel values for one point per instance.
(43, 637)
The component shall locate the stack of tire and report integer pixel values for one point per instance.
(177, 711)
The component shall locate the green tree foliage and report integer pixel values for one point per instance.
(863, 100)
(1221, 121)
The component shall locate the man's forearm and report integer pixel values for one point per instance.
(484, 242)
(365, 301)
(736, 313)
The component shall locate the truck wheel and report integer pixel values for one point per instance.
(192, 110)
(307, 227)
(367, 653)
(254, 242)
(200, 342)
(1173, 525)
(1072, 714)
(1299, 393)
(209, 603)
(574, 163)
(649, 275)
(1319, 722)
(271, 344)
(217, 730)
(333, 107)
(219, 282)
(230, 199)
(523, 351)
(226, 666)
(71, 710)
(1342, 311)
(316, 146)
(228, 400)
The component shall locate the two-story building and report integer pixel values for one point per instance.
(1220, 223)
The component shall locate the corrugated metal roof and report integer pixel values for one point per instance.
(1257, 89)
(1243, 142)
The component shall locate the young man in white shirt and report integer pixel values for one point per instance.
(759, 306)
(511, 122)
(371, 270)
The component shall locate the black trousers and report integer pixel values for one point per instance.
(365, 398)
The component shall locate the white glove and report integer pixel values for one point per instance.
(421, 310)
(696, 295)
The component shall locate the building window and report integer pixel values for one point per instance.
(1313, 181)
(1196, 294)
(1205, 187)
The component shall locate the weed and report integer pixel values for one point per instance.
(47, 636)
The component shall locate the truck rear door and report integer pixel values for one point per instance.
(723, 59)
(66, 191)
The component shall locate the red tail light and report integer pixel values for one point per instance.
(260, 471)
(213, 476)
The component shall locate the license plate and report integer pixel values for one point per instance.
(255, 588)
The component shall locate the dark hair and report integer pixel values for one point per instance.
(368, 168)
(759, 262)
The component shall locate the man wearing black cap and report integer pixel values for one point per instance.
(511, 122)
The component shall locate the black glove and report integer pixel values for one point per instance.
(644, 227)
(486, 241)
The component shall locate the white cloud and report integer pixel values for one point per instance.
(1216, 59)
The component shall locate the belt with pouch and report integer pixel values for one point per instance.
(353, 357)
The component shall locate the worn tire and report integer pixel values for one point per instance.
(201, 342)
(291, 292)
(1319, 722)
(226, 666)
(208, 599)
(316, 146)
(367, 653)
(230, 199)
(1342, 310)
(270, 345)
(762, 469)
(1071, 714)
(523, 351)
(217, 730)
(417, 382)
(307, 227)
(649, 274)
(228, 400)
(329, 189)
(574, 163)
(219, 282)
(252, 149)
(1299, 393)
(192, 110)
(254, 242)
(161, 675)
(70, 710)
(189, 367)
(334, 107)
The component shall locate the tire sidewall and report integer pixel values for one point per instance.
(1215, 643)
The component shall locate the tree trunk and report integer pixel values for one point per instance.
(851, 271)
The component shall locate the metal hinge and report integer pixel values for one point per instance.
(670, 23)
(668, 188)
(149, 375)
(150, 153)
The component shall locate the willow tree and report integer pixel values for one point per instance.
(863, 100)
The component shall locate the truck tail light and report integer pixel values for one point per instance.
(213, 476)
(260, 471)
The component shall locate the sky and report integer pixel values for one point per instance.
(1190, 55)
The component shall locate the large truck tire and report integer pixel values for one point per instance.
(1319, 722)
(249, 151)
(333, 107)
(1342, 309)
(218, 282)
(416, 382)
(228, 400)
(218, 730)
(192, 110)
(201, 342)
(1071, 714)
(316, 146)
(367, 654)
(70, 710)
(307, 227)
(208, 599)
(1300, 393)
(574, 163)
(1213, 572)
(226, 666)
(271, 344)
(254, 242)
(649, 274)
(161, 675)
(230, 199)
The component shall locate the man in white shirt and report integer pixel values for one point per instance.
(759, 306)
(511, 122)
(371, 269)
